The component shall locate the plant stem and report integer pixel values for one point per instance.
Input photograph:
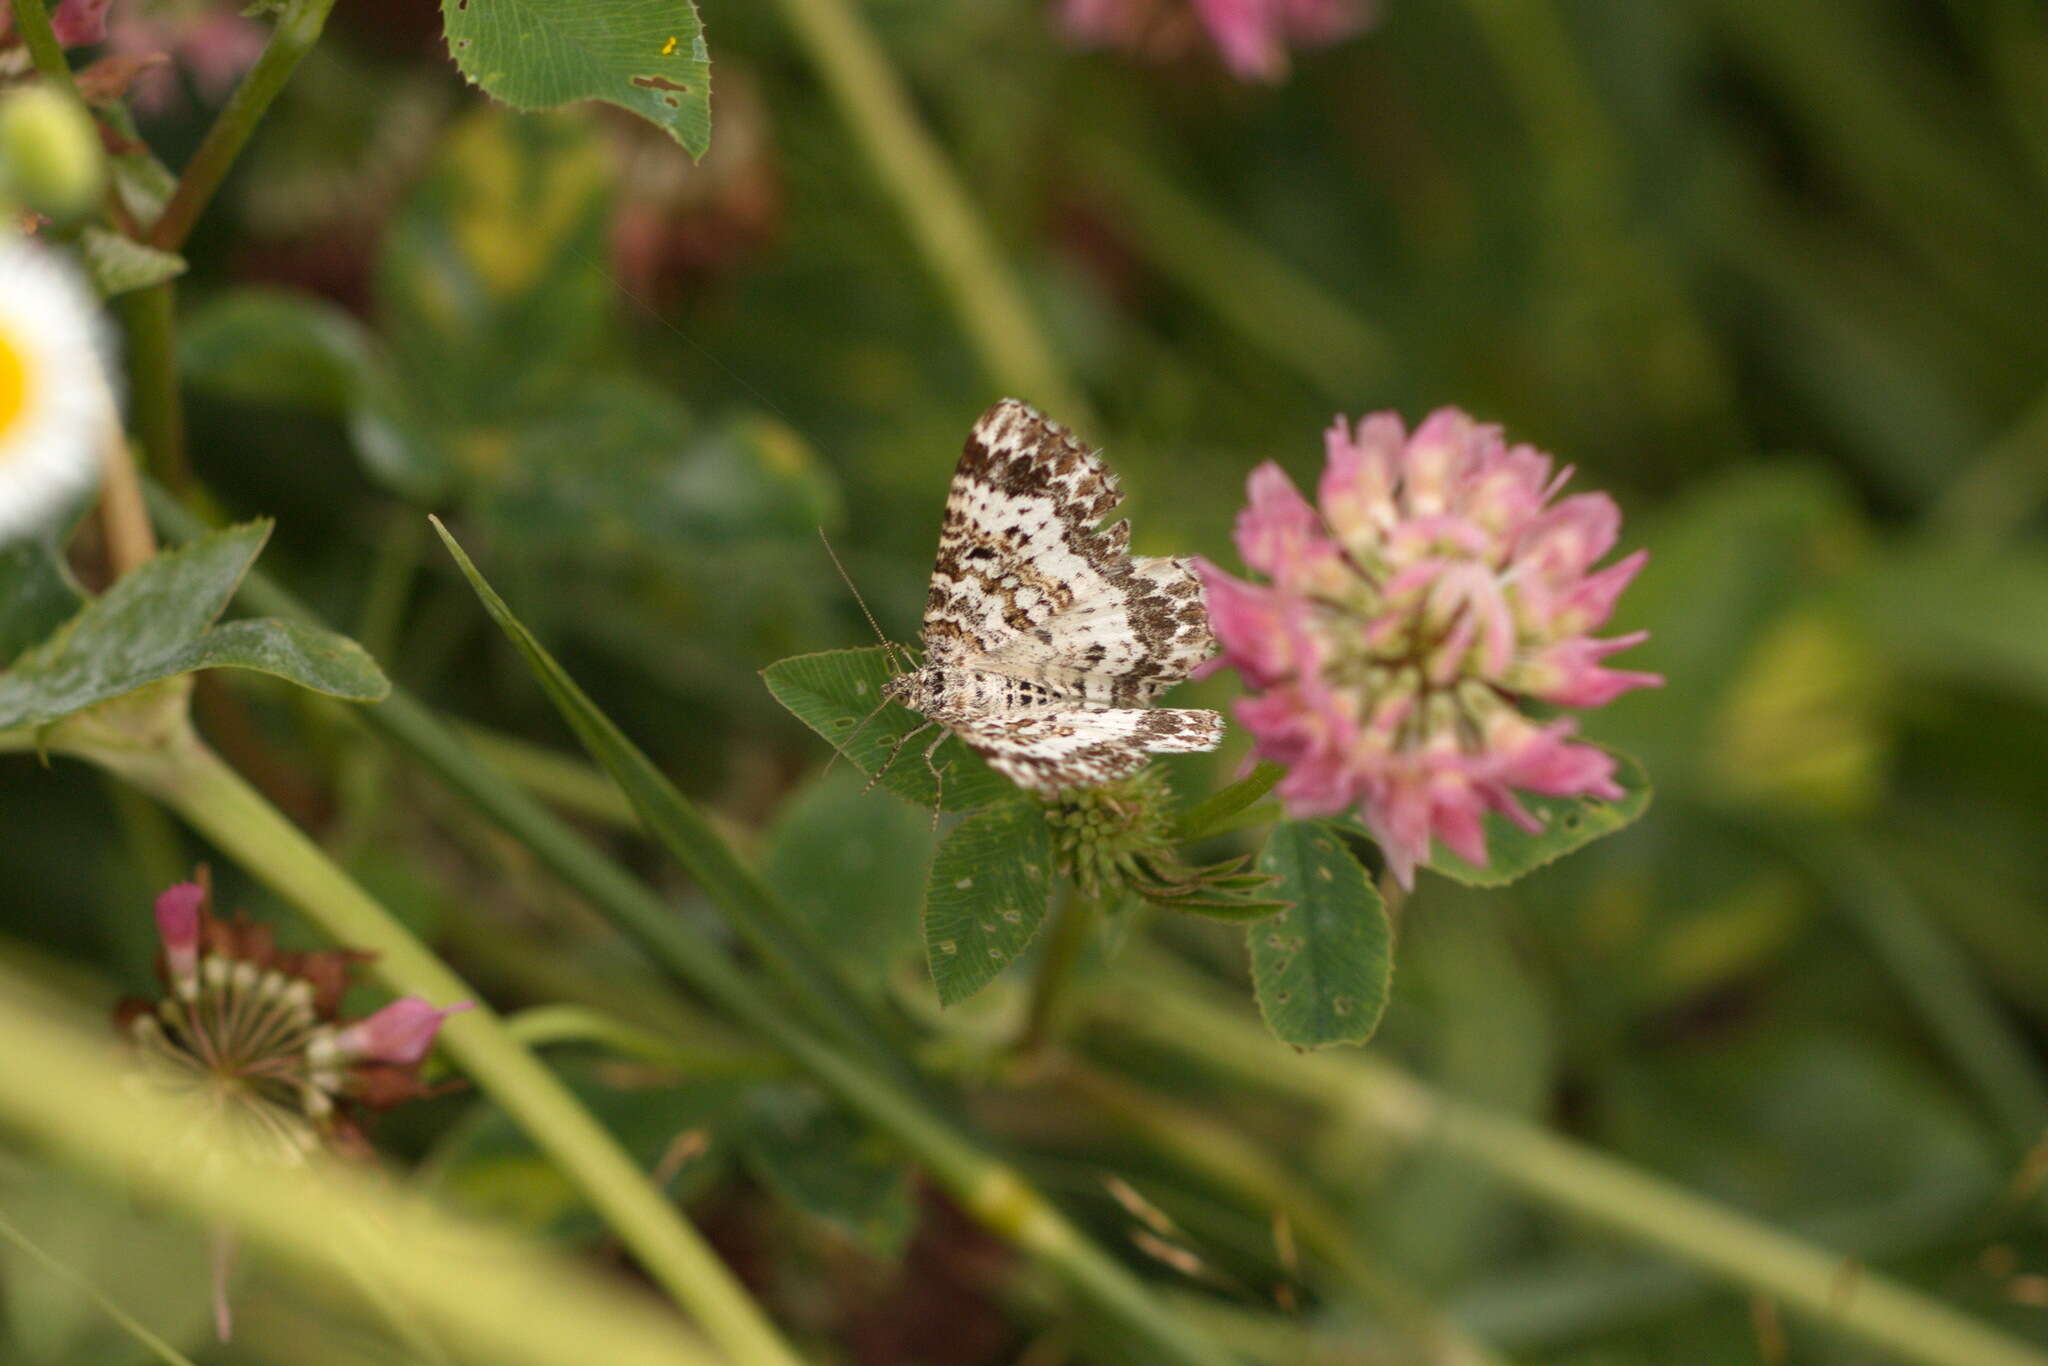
(494, 1295)
(131, 540)
(154, 848)
(954, 239)
(1270, 303)
(32, 21)
(525, 962)
(156, 406)
(2002, 487)
(1206, 1145)
(1932, 972)
(298, 28)
(126, 1321)
(186, 776)
(1584, 161)
(1212, 815)
(1159, 1003)
(550, 1024)
(789, 945)
(1072, 928)
(1583, 158)
(991, 1191)
(572, 784)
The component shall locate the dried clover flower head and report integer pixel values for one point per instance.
(255, 1031)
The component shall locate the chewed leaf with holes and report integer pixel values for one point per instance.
(647, 56)
(834, 692)
(1568, 823)
(986, 897)
(1323, 967)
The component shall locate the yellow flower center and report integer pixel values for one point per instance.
(13, 384)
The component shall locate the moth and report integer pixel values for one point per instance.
(1045, 640)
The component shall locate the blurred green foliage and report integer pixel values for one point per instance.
(1771, 273)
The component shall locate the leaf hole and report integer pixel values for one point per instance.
(948, 947)
(963, 884)
(663, 83)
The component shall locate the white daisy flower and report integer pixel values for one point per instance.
(55, 408)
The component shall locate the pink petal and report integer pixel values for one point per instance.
(1571, 536)
(177, 925)
(80, 23)
(400, 1034)
(220, 48)
(1314, 22)
(1569, 673)
(1359, 475)
(1456, 808)
(1588, 603)
(1397, 815)
(1252, 623)
(1446, 450)
(1278, 533)
(1247, 33)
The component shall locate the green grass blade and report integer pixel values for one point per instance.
(783, 940)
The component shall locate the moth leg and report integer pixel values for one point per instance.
(938, 774)
(896, 748)
(840, 745)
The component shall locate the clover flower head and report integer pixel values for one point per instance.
(1118, 840)
(256, 1030)
(1108, 838)
(77, 23)
(1254, 37)
(212, 45)
(1439, 584)
(253, 1031)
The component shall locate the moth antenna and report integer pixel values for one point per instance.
(888, 646)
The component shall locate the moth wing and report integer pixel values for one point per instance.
(1052, 751)
(1018, 545)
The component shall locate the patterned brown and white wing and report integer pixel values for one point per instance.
(1051, 752)
(1134, 631)
(1018, 533)
(1026, 584)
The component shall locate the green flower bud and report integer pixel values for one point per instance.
(50, 156)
